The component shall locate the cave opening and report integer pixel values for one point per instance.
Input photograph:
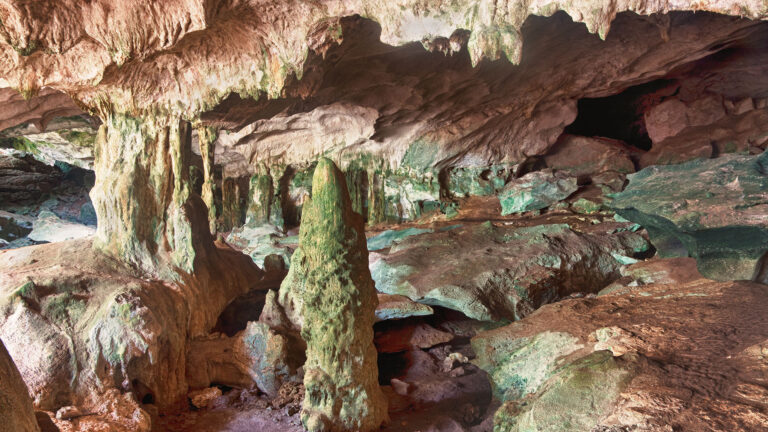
(621, 116)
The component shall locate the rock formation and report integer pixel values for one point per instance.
(337, 300)
(15, 403)
(712, 210)
(524, 171)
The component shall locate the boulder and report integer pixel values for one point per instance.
(493, 272)
(15, 404)
(86, 324)
(256, 356)
(50, 228)
(712, 210)
(535, 191)
(580, 156)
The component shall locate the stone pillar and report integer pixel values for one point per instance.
(206, 139)
(338, 300)
(260, 196)
(230, 203)
(147, 215)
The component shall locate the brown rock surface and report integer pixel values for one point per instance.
(699, 346)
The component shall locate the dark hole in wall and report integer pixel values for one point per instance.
(240, 311)
(620, 116)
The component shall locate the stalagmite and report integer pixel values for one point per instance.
(260, 195)
(338, 300)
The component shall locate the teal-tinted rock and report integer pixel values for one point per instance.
(386, 238)
(478, 181)
(519, 366)
(536, 191)
(258, 242)
(585, 206)
(712, 210)
(575, 399)
(502, 273)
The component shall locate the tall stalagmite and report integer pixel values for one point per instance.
(338, 300)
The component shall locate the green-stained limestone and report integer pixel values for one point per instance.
(231, 204)
(338, 300)
(492, 273)
(535, 191)
(577, 398)
(519, 366)
(260, 197)
(710, 209)
(146, 212)
(478, 181)
(206, 139)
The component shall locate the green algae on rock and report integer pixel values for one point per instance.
(710, 209)
(337, 305)
(535, 191)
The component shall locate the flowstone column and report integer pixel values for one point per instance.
(260, 195)
(338, 300)
(147, 215)
(206, 138)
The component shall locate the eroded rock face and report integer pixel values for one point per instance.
(337, 303)
(15, 403)
(147, 214)
(86, 324)
(712, 210)
(491, 272)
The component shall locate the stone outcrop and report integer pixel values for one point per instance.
(710, 209)
(633, 360)
(255, 356)
(536, 191)
(15, 403)
(87, 324)
(333, 293)
(491, 272)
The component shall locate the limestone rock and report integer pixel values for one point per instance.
(398, 307)
(15, 403)
(404, 336)
(50, 228)
(578, 398)
(260, 241)
(624, 360)
(712, 210)
(260, 198)
(337, 307)
(255, 356)
(535, 191)
(581, 155)
(86, 324)
(493, 272)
